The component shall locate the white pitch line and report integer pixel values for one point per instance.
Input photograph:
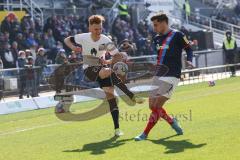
(32, 128)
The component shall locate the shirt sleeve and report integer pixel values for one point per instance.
(184, 41)
(186, 46)
(79, 38)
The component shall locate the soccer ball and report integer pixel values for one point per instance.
(120, 68)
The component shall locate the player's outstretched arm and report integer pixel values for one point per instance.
(187, 47)
(70, 44)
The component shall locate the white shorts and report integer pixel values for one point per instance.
(165, 86)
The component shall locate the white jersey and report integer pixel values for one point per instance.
(90, 47)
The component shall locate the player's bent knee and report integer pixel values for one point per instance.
(110, 96)
(109, 91)
(151, 103)
(157, 102)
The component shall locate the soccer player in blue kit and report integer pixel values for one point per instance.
(169, 45)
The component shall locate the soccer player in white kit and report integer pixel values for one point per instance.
(93, 43)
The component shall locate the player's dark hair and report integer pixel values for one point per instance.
(160, 17)
(95, 19)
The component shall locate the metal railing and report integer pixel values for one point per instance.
(203, 58)
(213, 24)
(10, 6)
(218, 4)
(34, 9)
(208, 74)
(48, 12)
(113, 13)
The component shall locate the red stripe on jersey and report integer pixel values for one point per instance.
(163, 45)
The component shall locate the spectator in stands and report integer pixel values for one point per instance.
(73, 78)
(187, 8)
(52, 54)
(49, 24)
(123, 11)
(20, 41)
(230, 50)
(117, 29)
(39, 39)
(25, 23)
(31, 41)
(21, 62)
(6, 25)
(143, 28)
(28, 53)
(38, 25)
(30, 78)
(9, 60)
(50, 44)
(15, 29)
(141, 42)
(14, 49)
(31, 52)
(50, 41)
(40, 62)
(73, 58)
(128, 47)
(61, 57)
(148, 48)
(6, 37)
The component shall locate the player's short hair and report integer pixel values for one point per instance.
(96, 19)
(160, 17)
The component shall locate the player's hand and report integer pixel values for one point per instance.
(77, 49)
(190, 65)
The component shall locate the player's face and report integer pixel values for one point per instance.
(159, 27)
(96, 30)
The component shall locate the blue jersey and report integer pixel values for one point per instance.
(169, 49)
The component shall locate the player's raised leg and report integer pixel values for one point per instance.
(108, 72)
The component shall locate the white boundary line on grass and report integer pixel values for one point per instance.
(31, 128)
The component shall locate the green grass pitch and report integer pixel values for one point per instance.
(209, 116)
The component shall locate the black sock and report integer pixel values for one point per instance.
(115, 117)
(114, 112)
(118, 82)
